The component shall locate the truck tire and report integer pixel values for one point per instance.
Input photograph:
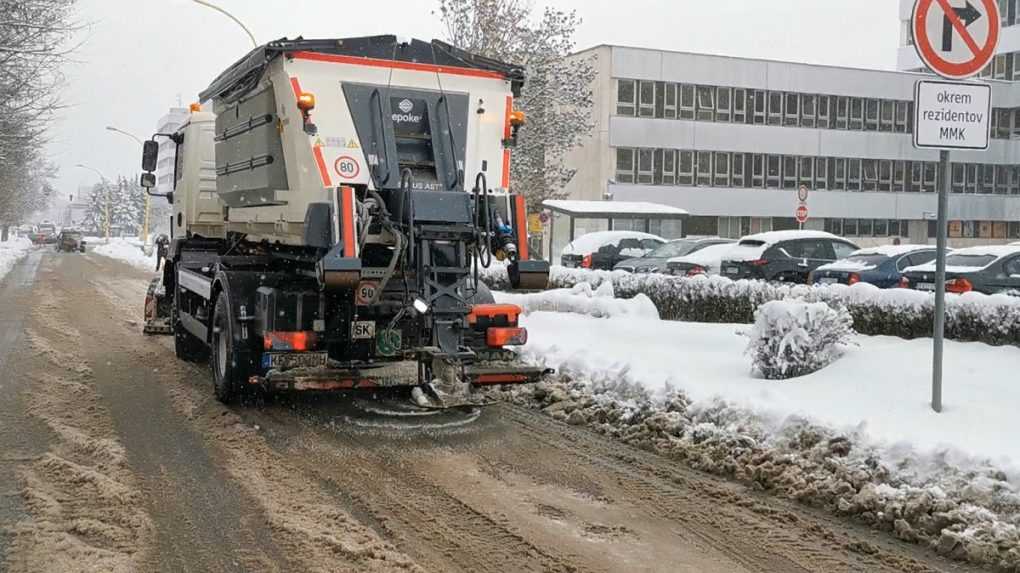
(482, 295)
(229, 363)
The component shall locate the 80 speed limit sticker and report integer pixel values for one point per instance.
(347, 167)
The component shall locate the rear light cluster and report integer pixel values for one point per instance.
(499, 322)
(758, 262)
(695, 271)
(904, 282)
(853, 279)
(297, 341)
(959, 286)
(586, 262)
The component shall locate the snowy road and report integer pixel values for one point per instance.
(117, 458)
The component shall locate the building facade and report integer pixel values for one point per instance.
(731, 140)
(167, 157)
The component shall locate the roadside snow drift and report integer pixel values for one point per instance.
(581, 299)
(11, 251)
(125, 250)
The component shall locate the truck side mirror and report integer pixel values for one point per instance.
(147, 180)
(150, 152)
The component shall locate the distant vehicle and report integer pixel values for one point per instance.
(71, 241)
(45, 234)
(603, 249)
(881, 266)
(655, 261)
(704, 261)
(26, 231)
(988, 269)
(785, 256)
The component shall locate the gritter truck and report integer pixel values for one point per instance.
(333, 203)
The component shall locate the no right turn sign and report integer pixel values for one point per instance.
(956, 38)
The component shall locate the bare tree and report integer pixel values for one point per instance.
(33, 47)
(557, 95)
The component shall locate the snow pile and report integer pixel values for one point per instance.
(848, 265)
(125, 250)
(856, 438)
(582, 299)
(11, 251)
(791, 339)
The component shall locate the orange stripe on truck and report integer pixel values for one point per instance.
(521, 223)
(414, 66)
(506, 136)
(320, 161)
(347, 221)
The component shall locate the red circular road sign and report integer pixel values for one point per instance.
(346, 167)
(956, 42)
(802, 214)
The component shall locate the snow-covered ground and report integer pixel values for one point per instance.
(126, 250)
(11, 251)
(880, 389)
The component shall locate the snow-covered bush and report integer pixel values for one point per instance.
(793, 338)
(976, 317)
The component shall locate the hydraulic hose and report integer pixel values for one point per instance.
(481, 191)
(406, 180)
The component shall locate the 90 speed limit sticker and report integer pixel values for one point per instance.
(347, 167)
(365, 292)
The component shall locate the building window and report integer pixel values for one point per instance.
(758, 107)
(625, 94)
(850, 227)
(856, 113)
(821, 173)
(706, 103)
(823, 112)
(791, 113)
(758, 171)
(1014, 229)
(646, 166)
(669, 102)
(888, 110)
(739, 106)
(660, 100)
(685, 170)
(930, 176)
(808, 105)
(881, 227)
(834, 226)
(957, 181)
(775, 108)
(646, 95)
(987, 179)
(773, 172)
(624, 165)
(789, 172)
(701, 226)
(864, 227)
(869, 177)
(722, 170)
(971, 183)
(738, 170)
(1001, 179)
(838, 174)
(899, 176)
(723, 104)
(806, 171)
(1004, 117)
(686, 101)
(870, 114)
(704, 168)
(842, 112)
(916, 172)
(894, 228)
(853, 175)
(1014, 180)
(884, 175)
(669, 167)
(901, 117)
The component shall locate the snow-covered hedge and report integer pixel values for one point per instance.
(793, 338)
(991, 319)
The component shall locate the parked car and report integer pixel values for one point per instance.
(881, 266)
(71, 241)
(603, 249)
(786, 256)
(989, 269)
(704, 261)
(655, 261)
(45, 234)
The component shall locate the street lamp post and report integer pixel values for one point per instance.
(232, 17)
(106, 185)
(144, 234)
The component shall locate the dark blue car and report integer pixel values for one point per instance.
(881, 266)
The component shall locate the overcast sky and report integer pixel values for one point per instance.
(140, 56)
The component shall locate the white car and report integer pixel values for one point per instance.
(603, 249)
(706, 261)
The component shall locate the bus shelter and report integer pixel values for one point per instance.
(570, 219)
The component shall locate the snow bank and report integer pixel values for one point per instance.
(581, 299)
(125, 250)
(11, 251)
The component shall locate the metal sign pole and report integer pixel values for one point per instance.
(940, 281)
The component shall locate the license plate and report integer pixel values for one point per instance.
(363, 330)
(828, 280)
(926, 286)
(286, 360)
(732, 270)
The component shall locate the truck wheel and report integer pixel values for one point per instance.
(482, 295)
(229, 366)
